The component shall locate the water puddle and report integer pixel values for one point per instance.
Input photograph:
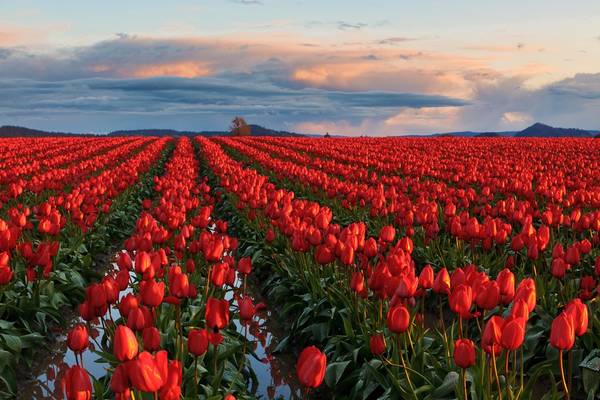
(275, 374)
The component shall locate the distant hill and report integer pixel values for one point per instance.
(13, 131)
(152, 132)
(536, 130)
(257, 130)
(474, 134)
(541, 130)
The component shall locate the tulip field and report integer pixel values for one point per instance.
(392, 268)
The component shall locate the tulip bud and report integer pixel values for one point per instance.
(398, 319)
(311, 367)
(377, 344)
(125, 345)
(78, 338)
(198, 342)
(464, 353)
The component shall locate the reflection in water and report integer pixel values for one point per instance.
(275, 374)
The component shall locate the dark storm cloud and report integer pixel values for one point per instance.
(5, 53)
(584, 86)
(200, 94)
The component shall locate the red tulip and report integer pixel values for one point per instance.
(559, 268)
(143, 262)
(398, 319)
(441, 284)
(572, 256)
(506, 283)
(578, 312)
(488, 295)
(119, 382)
(520, 309)
(124, 261)
(179, 286)
(513, 333)
(426, 277)
(148, 373)
(219, 273)
(464, 353)
(407, 286)
(377, 344)
(217, 313)
(172, 387)
(198, 341)
(151, 338)
(6, 275)
(526, 292)
(125, 344)
(324, 254)
(245, 265)
(370, 248)
(152, 292)
(128, 303)
(562, 332)
(311, 366)
(491, 338)
(387, 233)
(247, 309)
(78, 338)
(461, 299)
(137, 319)
(77, 384)
(357, 283)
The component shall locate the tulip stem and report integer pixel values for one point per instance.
(496, 373)
(570, 368)
(196, 370)
(409, 339)
(562, 373)
(444, 329)
(216, 356)
(507, 375)
(207, 282)
(412, 389)
(522, 371)
(464, 382)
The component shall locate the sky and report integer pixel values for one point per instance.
(310, 66)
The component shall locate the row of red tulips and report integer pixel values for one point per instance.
(48, 241)
(65, 166)
(176, 291)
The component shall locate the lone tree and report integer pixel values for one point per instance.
(239, 127)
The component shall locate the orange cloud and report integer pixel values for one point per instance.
(183, 69)
(179, 69)
(10, 36)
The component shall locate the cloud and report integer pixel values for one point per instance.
(516, 118)
(394, 40)
(344, 25)
(247, 2)
(191, 99)
(187, 82)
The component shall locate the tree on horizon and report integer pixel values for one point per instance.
(239, 127)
